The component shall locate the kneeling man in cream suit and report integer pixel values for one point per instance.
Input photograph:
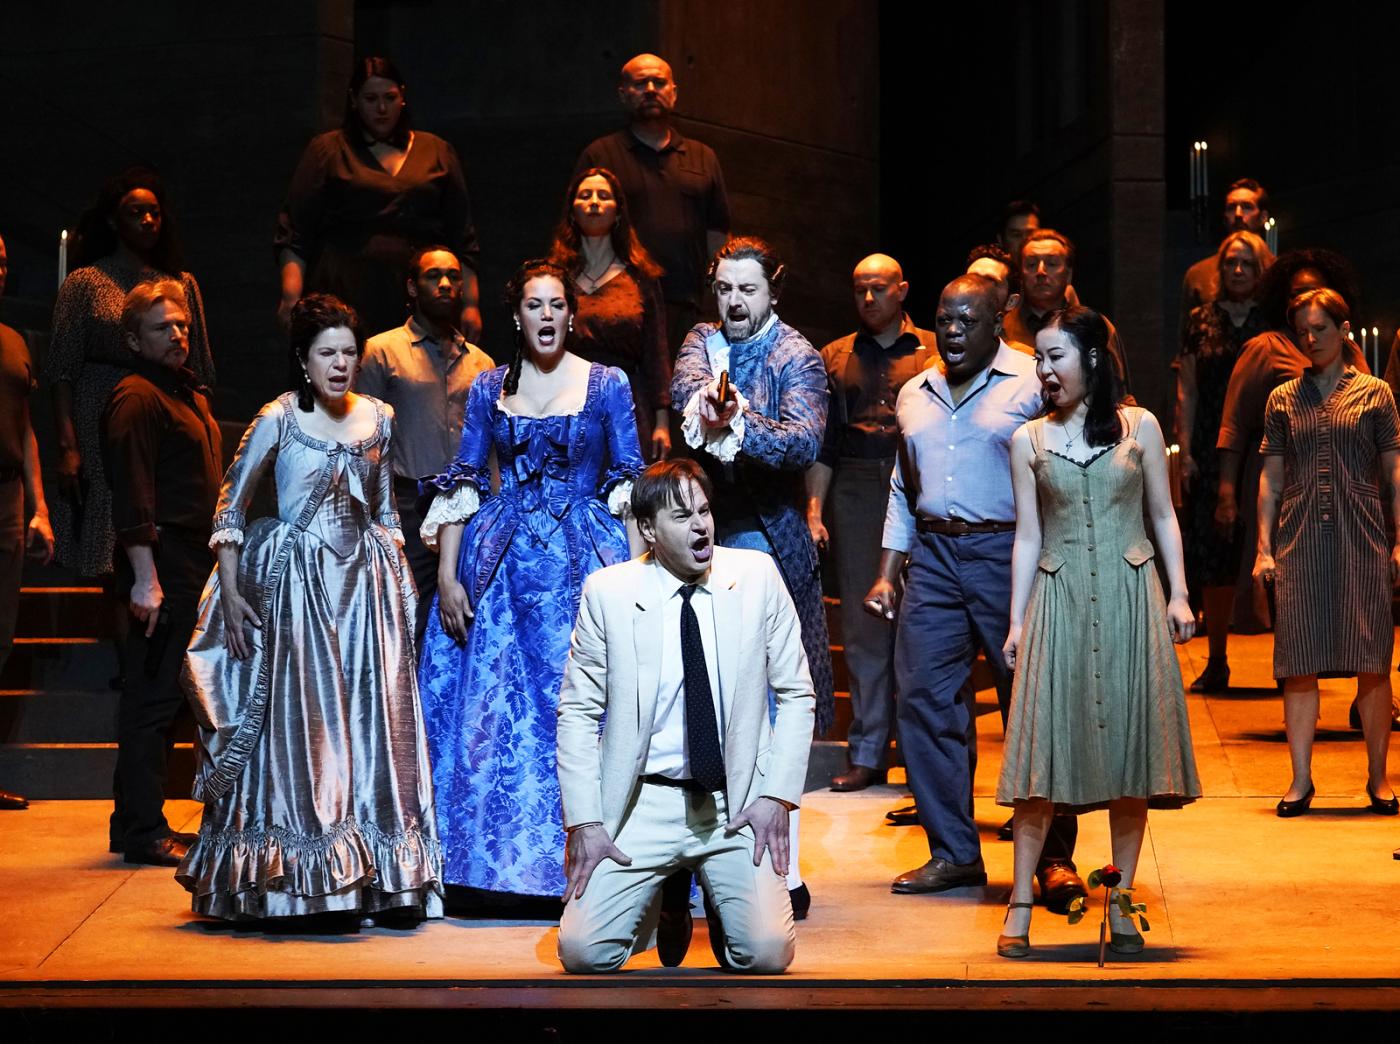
(679, 649)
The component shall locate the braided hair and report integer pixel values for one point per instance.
(535, 268)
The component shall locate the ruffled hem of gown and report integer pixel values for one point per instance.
(254, 874)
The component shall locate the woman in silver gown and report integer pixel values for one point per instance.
(314, 766)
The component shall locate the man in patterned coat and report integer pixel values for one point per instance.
(757, 441)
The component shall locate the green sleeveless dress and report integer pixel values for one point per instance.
(1097, 706)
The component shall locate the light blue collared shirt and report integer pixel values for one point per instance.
(954, 461)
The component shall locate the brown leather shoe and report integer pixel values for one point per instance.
(165, 851)
(857, 777)
(939, 875)
(13, 802)
(1058, 885)
(674, 929)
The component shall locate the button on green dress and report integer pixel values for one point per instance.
(1098, 710)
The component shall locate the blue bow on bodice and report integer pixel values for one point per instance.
(540, 463)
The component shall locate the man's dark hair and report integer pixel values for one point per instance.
(415, 259)
(660, 485)
(751, 248)
(1042, 235)
(996, 252)
(1261, 195)
(1016, 208)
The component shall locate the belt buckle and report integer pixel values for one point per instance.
(960, 527)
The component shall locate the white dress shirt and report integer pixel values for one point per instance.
(667, 754)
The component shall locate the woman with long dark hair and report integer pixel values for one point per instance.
(511, 570)
(621, 318)
(1098, 715)
(127, 237)
(313, 766)
(364, 197)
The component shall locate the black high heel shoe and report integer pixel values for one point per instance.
(1289, 809)
(1382, 808)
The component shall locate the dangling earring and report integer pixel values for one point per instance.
(571, 324)
(517, 324)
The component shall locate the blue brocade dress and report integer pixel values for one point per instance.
(490, 703)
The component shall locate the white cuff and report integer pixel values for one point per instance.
(448, 508)
(396, 535)
(226, 536)
(721, 443)
(620, 500)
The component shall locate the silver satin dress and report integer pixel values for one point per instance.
(313, 764)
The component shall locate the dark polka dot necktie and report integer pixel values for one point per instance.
(702, 734)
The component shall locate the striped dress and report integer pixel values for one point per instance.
(1333, 551)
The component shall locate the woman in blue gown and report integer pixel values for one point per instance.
(564, 434)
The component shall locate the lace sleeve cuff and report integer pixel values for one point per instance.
(721, 443)
(396, 535)
(448, 508)
(620, 500)
(227, 535)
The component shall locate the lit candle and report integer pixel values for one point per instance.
(62, 256)
(1376, 347)
(1205, 170)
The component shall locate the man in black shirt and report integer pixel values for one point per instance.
(161, 451)
(864, 372)
(675, 189)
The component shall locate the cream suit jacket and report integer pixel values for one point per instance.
(615, 666)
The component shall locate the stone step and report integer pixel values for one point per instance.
(62, 611)
(58, 715)
(54, 771)
(59, 663)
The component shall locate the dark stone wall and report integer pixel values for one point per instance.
(223, 100)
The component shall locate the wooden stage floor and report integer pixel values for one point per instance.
(1249, 912)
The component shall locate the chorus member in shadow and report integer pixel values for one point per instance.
(947, 540)
(21, 489)
(364, 197)
(1246, 210)
(864, 372)
(674, 186)
(423, 370)
(1331, 452)
(127, 237)
(1215, 335)
(674, 656)
(757, 443)
(512, 564)
(161, 451)
(1098, 715)
(621, 318)
(313, 766)
(1265, 362)
(1047, 262)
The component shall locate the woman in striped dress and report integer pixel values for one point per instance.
(1330, 438)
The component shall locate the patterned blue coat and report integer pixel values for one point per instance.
(783, 378)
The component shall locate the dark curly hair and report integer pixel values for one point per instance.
(312, 315)
(515, 293)
(564, 250)
(96, 238)
(1336, 271)
(1089, 331)
(751, 248)
(996, 252)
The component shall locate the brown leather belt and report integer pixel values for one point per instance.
(957, 527)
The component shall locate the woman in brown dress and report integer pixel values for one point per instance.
(621, 320)
(1331, 444)
(364, 197)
